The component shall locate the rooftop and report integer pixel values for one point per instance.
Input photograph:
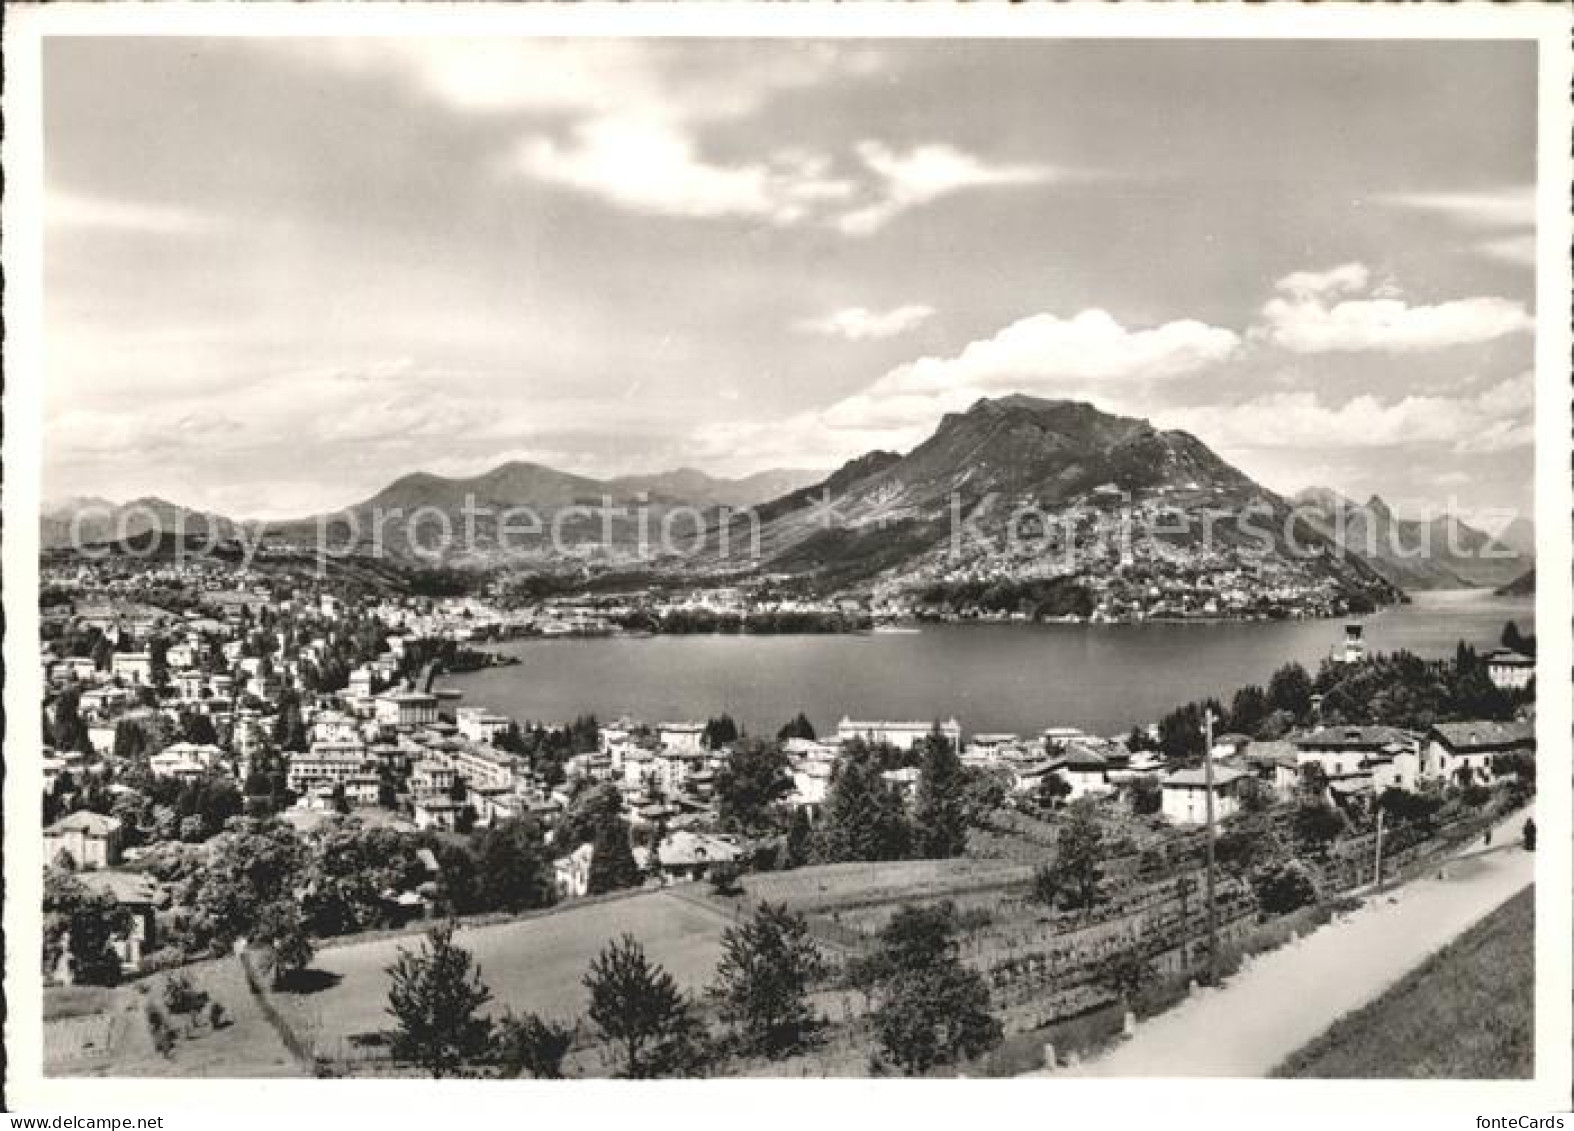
(1484, 735)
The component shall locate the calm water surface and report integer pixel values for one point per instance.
(1018, 678)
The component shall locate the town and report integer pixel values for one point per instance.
(269, 765)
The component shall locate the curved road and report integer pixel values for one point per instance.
(1282, 999)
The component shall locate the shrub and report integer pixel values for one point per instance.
(164, 1042)
(1284, 888)
(180, 996)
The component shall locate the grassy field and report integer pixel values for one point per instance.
(1468, 1012)
(829, 887)
(102, 1032)
(535, 964)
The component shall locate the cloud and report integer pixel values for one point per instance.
(625, 121)
(860, 324)
(1511, 249)
(1508, 207)
(1310, 315)
(68, 210)
(1042, 353)
(1509, 212)
(649, 166)
(1493, 420)
(926, 173)
(1089, 354)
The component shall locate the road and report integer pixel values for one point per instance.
(1281, 1000)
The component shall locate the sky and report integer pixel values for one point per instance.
(280, 273)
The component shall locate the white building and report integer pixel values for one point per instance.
(185, 760)
(406, 708)
(1510, 670)
(91, 839)
(901, 735)
(325, 764)
(1475, 746)
(481, 725)
(686, 736)
(1185, 795)
(134, 667)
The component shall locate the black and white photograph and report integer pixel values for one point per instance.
(582, 552)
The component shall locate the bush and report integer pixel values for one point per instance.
(1284, 888)
(530, 1044)
(726, 878)
(164, 1042)
(180, 996)
(216, 1015)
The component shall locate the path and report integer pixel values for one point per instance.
(1281, 1000)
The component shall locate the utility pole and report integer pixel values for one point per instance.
(1207, 777)
(1377, 864)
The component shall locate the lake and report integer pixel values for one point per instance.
(991, 677)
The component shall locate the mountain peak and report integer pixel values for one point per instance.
(1378, 507)
(1324, 497)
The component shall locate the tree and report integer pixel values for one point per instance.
(1290, 690)
(68, 732)
(530, 1044)
(749, 783)
(587, 811)
(720, 731)
(1316, 824)
(198, 728)
(248, 874)
(1147, 795)
(864, 818)
(1125, 972)
(612, 864)
(932, 1009)
(726, 877)
(763, 979)
(1248, 710)
(434, 995)
(799, 843)
(1516, 641)
(1078, 853)
(940, 809)
(798, 727)
(1052, 790)
(84, 925)
(1284, 888)
(1247, 844)
(637, 1005)
(1139, 740)
(512, 869)
(1046, 884)
(281, 927)
(1180, 734)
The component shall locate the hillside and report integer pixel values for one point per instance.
(87, 521)
(1022, 487)
(1466, 1013)
(1439, 553)
(559, 519)
(1522, 586)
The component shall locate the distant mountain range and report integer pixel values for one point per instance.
(884, 519)
(97, 520)
(88, 520)
(1437, 553)
(1522, 586)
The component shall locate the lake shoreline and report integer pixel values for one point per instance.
(1017, 677)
